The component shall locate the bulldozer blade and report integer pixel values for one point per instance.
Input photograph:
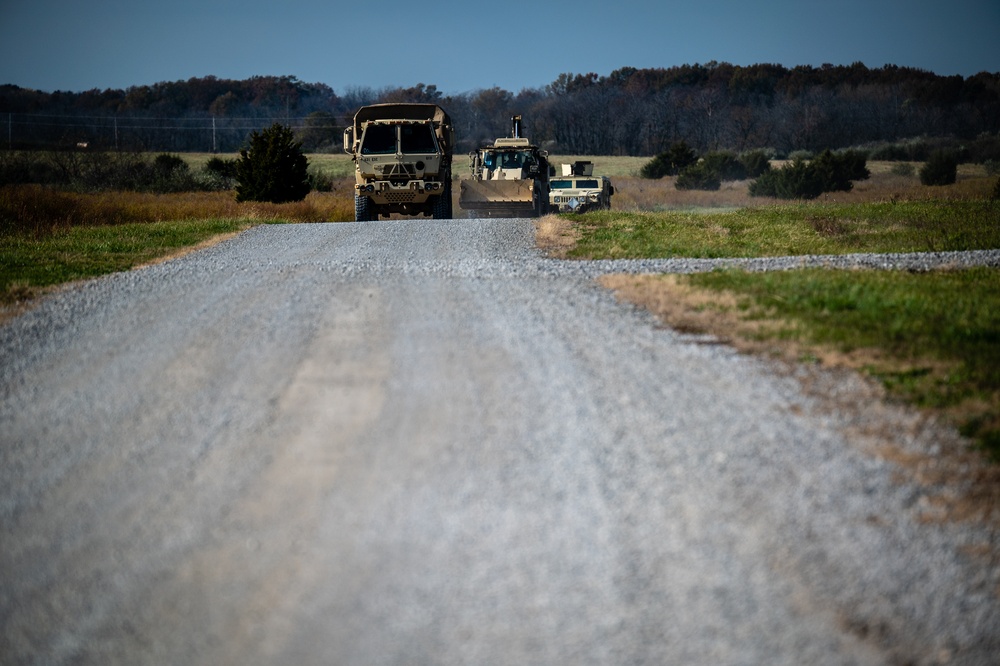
(498, 198)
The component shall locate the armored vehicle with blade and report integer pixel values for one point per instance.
(510, 178)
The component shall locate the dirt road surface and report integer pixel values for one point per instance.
(419, 442)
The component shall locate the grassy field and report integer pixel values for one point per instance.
(932, 339)
(48, 237)
(790, 229)
(30, 264)
(332, 165)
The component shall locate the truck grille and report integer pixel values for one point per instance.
(399, 197)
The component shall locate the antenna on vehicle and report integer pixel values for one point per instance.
(515, 126)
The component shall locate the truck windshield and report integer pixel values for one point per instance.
(512, 161)
(379, 140)
(417, 139)
(560, 184)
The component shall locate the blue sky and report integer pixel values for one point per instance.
(459, 45)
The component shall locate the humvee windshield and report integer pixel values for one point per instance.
(417, 139)
(570, 184)
(379, 140)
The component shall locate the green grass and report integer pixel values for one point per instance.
(815, 228)
(28, 263)
(604, 165)
(938, 333)
(332, 165)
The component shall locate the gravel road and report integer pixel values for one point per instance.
(420, 442)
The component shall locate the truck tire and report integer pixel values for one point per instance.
(442, 205)
(541, 204)
(362, 209)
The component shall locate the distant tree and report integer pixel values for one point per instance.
(170, 173)
(273, 167)
(320, 131)
(629, 112)
(726, 165)
(941, 168)
(418, 94)
(700, 176)
(220, 173)
(755, 162)
(796, 180)
(669, 163)
(490, 112)
(837, 170)
(802, 179)
(225, 104)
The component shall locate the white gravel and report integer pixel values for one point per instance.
(422, 442)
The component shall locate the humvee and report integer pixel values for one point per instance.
(578, 190)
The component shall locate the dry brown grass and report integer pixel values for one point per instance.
(36, 209)
(555, 235)
(633, 193)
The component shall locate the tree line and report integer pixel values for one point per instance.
(711, 107)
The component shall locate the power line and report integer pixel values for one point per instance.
(51, 129)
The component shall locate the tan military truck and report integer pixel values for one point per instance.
(577, 189)
(510, 178)
(402, 155)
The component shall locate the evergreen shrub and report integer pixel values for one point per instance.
(669, 163)
(796, 180)
(219, 173)
(837, 170)
(801, 179)
(941, 168)
(700, 176)
(755, 162)
(725, 164)
(169, 173)
(272, 168)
